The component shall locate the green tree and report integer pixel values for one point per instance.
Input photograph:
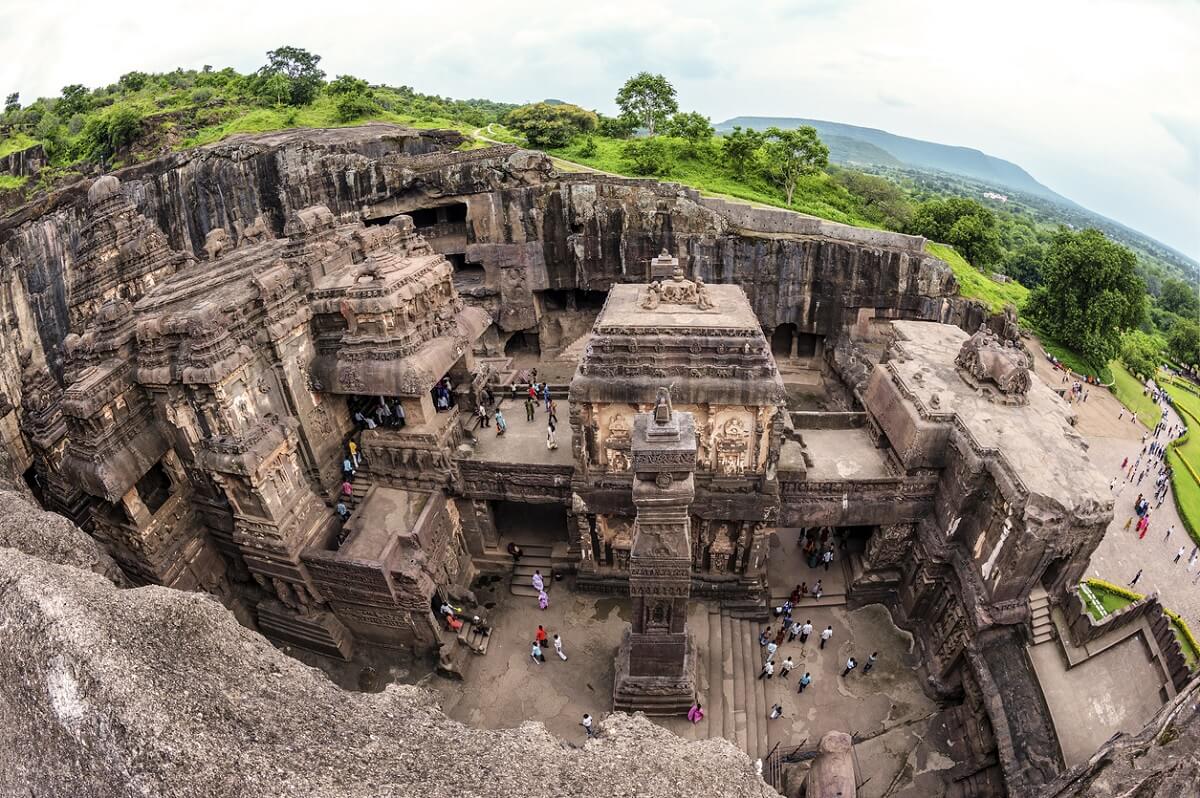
(647, 100)
(74, 100)
(615, 127)
(694, 128)
(347, 84)
(275, 89)
(881, 200)
(739, 148)
(1179, 297)
(975, 239)
(647, 156)
(792, 154)
(550, 125)
(1090, 294)
(299, 68)
(133, 81)
(964, 223)
(355, 106)
(1183, 342)
(1025, 265)
(1142, 353)
(107, 134)
(12, 103)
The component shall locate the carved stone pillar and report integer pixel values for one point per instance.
(656, 662)
(888, 546)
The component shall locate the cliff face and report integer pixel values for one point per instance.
(529, 229)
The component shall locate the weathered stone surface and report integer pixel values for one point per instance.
(94, 704)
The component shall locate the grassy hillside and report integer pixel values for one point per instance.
(975, 284)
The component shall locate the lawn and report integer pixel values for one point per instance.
(1074, 360)
(1129, 392)
(1109, 600)
(975, 284)
(11, 182)
(1184, 454)
(15, 143)
(1113, 598)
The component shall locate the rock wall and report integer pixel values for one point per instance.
(153, 691)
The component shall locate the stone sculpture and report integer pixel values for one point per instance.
(989, 361)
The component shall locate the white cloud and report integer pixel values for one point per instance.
(1096, 98)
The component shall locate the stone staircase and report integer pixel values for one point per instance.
(1040, 620)
(535, 558)
(474, 639)
(735, 700)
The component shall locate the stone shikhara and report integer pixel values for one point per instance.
(185, 344)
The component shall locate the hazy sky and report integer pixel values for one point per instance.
(1098, 99)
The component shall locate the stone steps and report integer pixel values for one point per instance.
(714, 700)
(728, 725)
(470, 636)
(535, 557)
(756, 703)
(1039, 617)
(743, 696)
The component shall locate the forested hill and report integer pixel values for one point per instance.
(884, 149)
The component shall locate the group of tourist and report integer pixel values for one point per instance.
(1076, 392)
(541, 641)
(538, 393)
(370, 412)
(443, 395)
(817, 547)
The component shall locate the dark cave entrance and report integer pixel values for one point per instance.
(154, 488)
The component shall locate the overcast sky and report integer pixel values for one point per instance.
(1098, 99)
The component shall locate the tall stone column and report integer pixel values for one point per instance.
(656, 664)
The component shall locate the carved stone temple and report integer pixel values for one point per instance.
(657, 661)
(188, 348)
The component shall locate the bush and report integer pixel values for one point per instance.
(355, 106)
(648, 156)
(202, 95)
(550, 125)
(1142, 353)
(589, 148)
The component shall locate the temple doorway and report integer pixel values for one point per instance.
(781, 340)
(542, 524)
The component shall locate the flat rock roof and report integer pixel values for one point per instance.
(1036, 439)
(731, 310)
(384, 514)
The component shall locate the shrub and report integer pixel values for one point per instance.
(550, 125)
(647, 156)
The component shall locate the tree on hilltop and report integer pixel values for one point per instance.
(550, 124)
(793, 154)
(298, 68)
(12, 102)
(694, 128)
(1090, 294)
(739, 148)
(647, 100)
(964, 224)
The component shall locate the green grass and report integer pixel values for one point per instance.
(818, 195)
(1190, 655)
(1184, 455)
(15, 143)
(12, 182)
(1109, 600)
(974, 284)
(1129, 392)
(1113, 598)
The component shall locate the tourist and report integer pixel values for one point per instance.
(768, 670)
(851, 664)
(537, 581)
(353, 452)
(551, 437)
(796, 595)
(558, 648)
(553, 410)
(794, 631)
(825, 635)
(696, 713)
(780, 635)
(501, 425)
(870, 663)
(776, 712)
(785, 668)
(341, 510)
(772, 647)
(827, 557)
(482, 412)
(805, 681)
(400, 417)
(515, 551)
(347, 468)
(540, 637)
(586, 723)
(543, 600)
(546, 395)
(1124, 463)
(347, 489)
(817, 590)
(805, 631)
(1136, 577)
(764, 636)
(529, 408)
(1179, 554)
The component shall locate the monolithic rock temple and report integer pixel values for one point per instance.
(188, 346)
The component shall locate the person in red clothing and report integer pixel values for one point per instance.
(540, 637)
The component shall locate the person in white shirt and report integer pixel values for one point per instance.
(768, 670)
(805, 631)
(794, 630)
(772, 647)
(785, 668)
(851, 664)
(558, 648)
(536, 653)
(825, 635)
(586, 723)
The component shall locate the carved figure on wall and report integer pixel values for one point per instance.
(703, 300)
(652, 296)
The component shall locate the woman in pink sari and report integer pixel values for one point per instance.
(543, 600)
(696, 713)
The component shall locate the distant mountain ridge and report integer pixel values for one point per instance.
(912, 152)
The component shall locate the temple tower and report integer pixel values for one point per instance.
(656, 662)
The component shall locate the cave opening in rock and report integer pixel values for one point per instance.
(154, 488)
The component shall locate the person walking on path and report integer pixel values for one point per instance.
(696, 713)
(353, 447)
(794, 631)
(552, 409)
(484, 419)
(546, 395)
(805, 681)
(347, 489)
(540, 637)
(586, 723)
(529, 408)
(1179, 554)
(816, 591)
(776, 712)
(543, 600)
(772, 647)
(785, 668)
(501, 424)
(870, 663)
(558, 648)
(1170, 529)
(780, 635)
(538, 582)
(551, 437)
(768, 670)
(341, 510)
(828, 633)
(536, 652)
(1136, 577)
(347, 469)
(851, 664)
(805, 631)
